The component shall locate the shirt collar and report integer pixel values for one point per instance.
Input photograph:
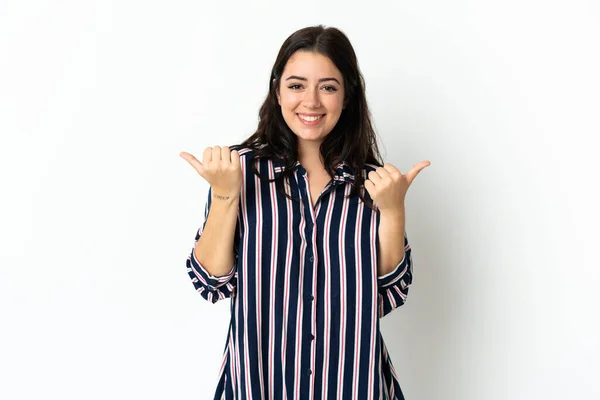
(343, 172)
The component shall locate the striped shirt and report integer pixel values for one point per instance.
(306, 297)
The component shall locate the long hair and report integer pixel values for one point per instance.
(352, 140)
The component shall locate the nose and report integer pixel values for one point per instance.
(311, 98)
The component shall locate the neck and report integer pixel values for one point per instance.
(309, 155)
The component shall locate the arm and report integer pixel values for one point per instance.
(392, 287)
(212, 262)
(395, 262)
(391, 239)
(387, 186)
(214, 249)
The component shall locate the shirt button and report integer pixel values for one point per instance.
(312, 337)
(311, 259)
(309, 372)
(311, 297)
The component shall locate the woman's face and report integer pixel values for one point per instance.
(311, 95)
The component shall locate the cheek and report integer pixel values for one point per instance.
(335, 109)
(335, 102)
(289, 101)
(336, 106)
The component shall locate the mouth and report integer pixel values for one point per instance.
(310, 120)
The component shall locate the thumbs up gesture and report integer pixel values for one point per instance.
(387, 186)
(220, 167)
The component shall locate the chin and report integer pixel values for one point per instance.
(311, 137)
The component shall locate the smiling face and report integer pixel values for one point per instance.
(311, 95)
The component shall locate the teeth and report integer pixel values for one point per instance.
(309, 119)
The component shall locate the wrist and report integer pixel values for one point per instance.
(397, 211)
(220, 197)
(223, 198)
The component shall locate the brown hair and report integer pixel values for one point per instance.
(352, 140)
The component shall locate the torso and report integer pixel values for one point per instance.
(293, 268)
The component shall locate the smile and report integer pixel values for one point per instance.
(310, 119)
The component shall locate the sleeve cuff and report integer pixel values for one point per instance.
(395, 275)
(204, 276)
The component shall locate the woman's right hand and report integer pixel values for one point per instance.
(221, 168)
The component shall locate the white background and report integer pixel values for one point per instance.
(98, 211)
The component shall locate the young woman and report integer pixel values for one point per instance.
(304, 231)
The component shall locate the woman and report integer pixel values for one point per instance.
(304, 231)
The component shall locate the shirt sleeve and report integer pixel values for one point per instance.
(212, 288)
(393, 286)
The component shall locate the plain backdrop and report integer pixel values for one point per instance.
(98, 211)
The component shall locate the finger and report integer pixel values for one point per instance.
(235, 159)
(412, 174)
(226, 155)
(194, 162)
(216, 153)
(207, 156)
(370, 188)
(392, 170)
(374, 177)
(383, 173)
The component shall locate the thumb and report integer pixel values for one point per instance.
(412, 174)
(194, 162)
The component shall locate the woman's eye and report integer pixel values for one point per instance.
(326, 88)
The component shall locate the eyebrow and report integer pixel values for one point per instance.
(304, 79)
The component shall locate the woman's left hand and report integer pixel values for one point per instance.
(387, 186)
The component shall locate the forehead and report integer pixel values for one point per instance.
(310, 64)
